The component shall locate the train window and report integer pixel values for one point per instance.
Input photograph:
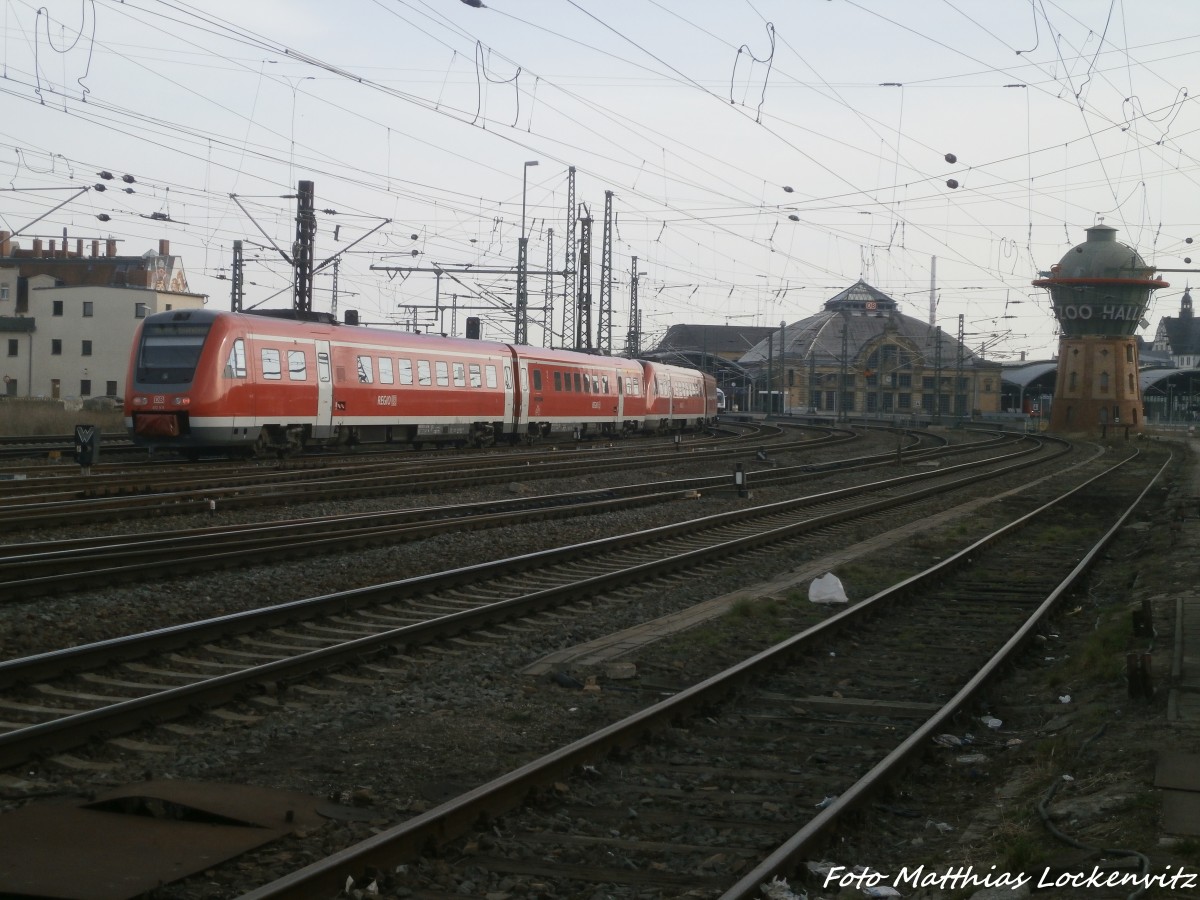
(490, 373)
(405, 366)
(169, 351)
(235, 366)
(524, 379)
(537, 379)
(508, 377)
(297, 366)
(365, 370)
(460, 375)
(270, 364)
(604, 382)
(558, 381)
(385, 370)
(578, 386)
(587, 384)
(323, 366)
(595, 384)
(473, 372)
(443, 373)
(423, 372)
(567, 382)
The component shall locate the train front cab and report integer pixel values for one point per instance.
(166, 384)
(197, 377)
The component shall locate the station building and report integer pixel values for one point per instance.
(67, 319)
(860, 356)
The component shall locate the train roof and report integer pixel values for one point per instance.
(294, 324)
(296, 315)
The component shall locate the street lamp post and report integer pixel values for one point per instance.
(783, 404)
(770, 382)
(522, 330)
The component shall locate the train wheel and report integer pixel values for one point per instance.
(294, 443)
(262, 448)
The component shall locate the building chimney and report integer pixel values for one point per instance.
(164, 247)
(53, 249)
(5, 245)
(79, 247)
(110, 247)
(37, 248)
(95, 248)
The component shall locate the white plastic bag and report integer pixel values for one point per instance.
(827, 589)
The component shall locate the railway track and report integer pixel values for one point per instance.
(57, 700)
(38, 501)
(62, 447)
(733, 782)
(28, 571)
(59, 446)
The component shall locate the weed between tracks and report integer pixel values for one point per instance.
(1099, 747)
(30, 417)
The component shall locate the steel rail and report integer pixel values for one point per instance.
(71, 729)
(451, 819)
(97, 501)
(786, 857)
(27, 571)
(357, 458)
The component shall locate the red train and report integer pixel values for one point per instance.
(277, 382)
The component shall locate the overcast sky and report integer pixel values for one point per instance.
(762, 154)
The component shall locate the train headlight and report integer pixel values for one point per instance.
(140, 401)
(183, 401)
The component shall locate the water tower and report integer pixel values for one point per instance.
(1100, 291)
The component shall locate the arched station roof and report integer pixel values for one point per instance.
(863, 313)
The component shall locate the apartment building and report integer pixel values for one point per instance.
(67, 319)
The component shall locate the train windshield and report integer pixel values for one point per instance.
(169, 351)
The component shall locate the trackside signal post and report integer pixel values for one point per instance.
(87, 447)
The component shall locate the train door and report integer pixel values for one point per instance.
(239, 390)
(510, 401)
(323, 426)
(514, 399)
(523, 393)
